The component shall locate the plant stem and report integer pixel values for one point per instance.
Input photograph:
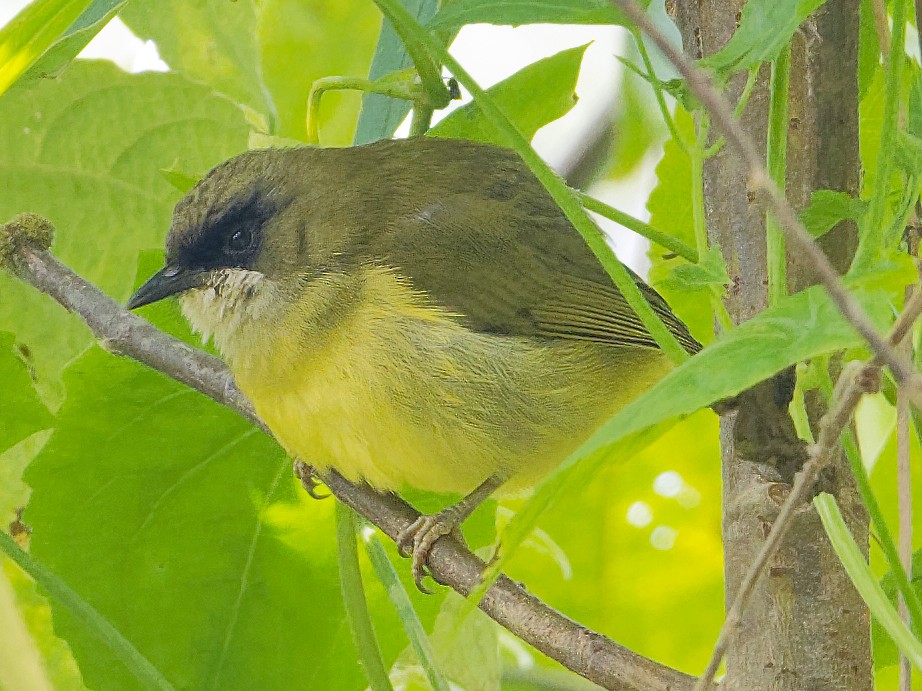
(350, 579)
(871, 235)
(408, 617)
(777, 167)
(673, 244)
(657, 89)
(96, 624)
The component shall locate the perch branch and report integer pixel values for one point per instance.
(589, 654)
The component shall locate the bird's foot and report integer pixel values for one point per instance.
(309, 480)
(417, 539)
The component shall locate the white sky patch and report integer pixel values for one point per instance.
(117, 43)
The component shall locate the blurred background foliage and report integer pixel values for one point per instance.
(183, 526)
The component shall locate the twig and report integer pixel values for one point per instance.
(699, 83)
(583, 651)
(881, 25)
(853, 382)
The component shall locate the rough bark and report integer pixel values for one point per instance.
(805, 627)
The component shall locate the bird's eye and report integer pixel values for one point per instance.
(240, 241)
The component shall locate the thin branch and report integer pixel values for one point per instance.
(582, 650)
(856, 379)
(882, 25)
(699, 83)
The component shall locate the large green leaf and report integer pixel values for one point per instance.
(516, 12)
(532, 97)
(766, 26)
(304, 40)
(168, 513)
(85, 150)
(267, 54)
(213, 42)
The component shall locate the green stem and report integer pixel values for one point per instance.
(423, 57)
(662, 239)
(97, 625)
(863, 578)
(697, 155)
(738, 111)
(394, 86)
(657, 90)
(697, 185)
(566, 199)
(350, 579)
(871, 235)
(408, 617)
(776, 162)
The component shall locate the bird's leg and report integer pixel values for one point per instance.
(309, 480)
(419, 537)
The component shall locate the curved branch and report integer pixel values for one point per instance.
(589, 654)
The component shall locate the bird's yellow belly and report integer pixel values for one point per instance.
(401, 396)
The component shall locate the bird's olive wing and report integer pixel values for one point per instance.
(515, 266)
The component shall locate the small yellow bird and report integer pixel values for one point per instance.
(413, 313)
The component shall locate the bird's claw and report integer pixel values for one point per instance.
(417, 539)
(309, 481)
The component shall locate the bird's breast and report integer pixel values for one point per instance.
(396, 392)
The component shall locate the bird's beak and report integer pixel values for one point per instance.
(170, 280)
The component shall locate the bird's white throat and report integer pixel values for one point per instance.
(230, 301)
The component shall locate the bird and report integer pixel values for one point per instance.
(413, 313)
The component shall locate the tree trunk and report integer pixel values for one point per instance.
(805, 627)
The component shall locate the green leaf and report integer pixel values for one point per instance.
(213, 42)
(303, 40)
(21, 410)
(532, 97)
(711, 270)
(914, 111)
(766, 26)
(141, 668)
(167, 512)
(266, 54)
(885, 652)
(864, 580)
(75, 39)
(670, 207)
(31, 32)
(827, 208)
(909, 152)
(802, 326)
(517, 12)
(85, 150)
